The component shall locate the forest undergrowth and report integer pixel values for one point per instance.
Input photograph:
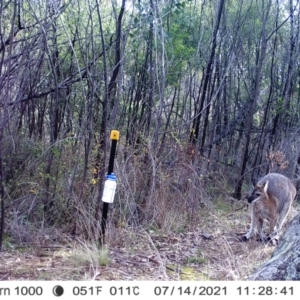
(209, 249)
(171, 220)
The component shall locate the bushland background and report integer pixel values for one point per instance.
(206, 96)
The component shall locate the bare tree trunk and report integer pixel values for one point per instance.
(151, 72)
(207, 76)
(261, 53)
(283, 111)
(101, 151)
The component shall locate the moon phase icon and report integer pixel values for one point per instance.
(58, 290)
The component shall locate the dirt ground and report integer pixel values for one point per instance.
(209, 251)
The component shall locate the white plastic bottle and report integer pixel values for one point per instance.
(109, 188)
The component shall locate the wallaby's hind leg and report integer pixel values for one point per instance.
(278, 223)
(282, 216)
(272, 235)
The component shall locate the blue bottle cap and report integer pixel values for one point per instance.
(111, 176)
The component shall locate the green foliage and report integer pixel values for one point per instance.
(198, 259)
(181, 28)
(279, 106)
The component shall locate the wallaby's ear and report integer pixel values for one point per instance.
(265, 185)
(259, 186)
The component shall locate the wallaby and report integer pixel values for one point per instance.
(271, 200)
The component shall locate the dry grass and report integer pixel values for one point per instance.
(210, 250)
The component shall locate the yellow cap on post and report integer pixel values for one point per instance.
(115, 135)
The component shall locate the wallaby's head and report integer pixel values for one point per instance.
(260, 191)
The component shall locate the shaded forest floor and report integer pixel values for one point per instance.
(208, 251)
